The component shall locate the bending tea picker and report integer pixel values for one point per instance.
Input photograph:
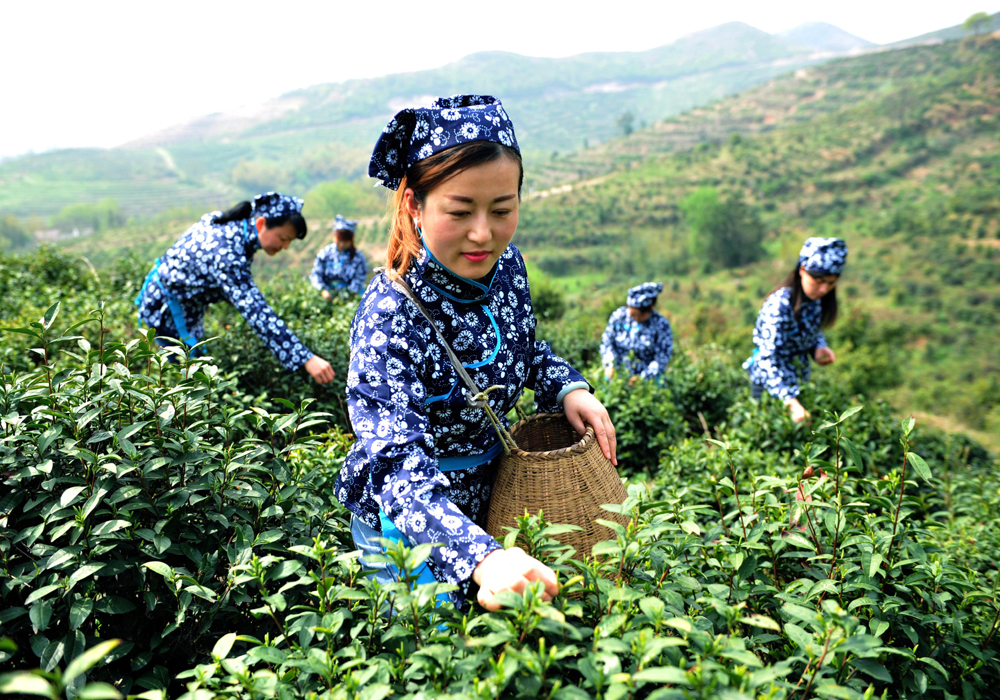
(340, 268)
(211, 263)
(454, 291)
(637, 339)
(789, 326)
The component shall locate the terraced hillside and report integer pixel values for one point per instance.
(896, 152)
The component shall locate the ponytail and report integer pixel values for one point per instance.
(241, 211)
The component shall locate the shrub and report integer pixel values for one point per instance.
(132, 494)
(727, 231)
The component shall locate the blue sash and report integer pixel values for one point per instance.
(445, 464)
(176, 311)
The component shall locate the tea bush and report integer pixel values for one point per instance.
(158, 504)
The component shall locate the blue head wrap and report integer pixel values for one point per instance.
(415, 134)
(644, 295)
(342, 224)
(823, 256)
(271, 205)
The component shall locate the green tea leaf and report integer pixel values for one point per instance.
(88, 659)
(79, 611)
(919, 465)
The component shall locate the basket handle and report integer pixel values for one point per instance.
(475, 397)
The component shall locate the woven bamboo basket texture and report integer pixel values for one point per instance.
(560, 474)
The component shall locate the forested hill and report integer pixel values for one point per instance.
(327, 131)
(897, 152)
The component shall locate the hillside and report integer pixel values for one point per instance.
(823, 36)
(897, 152)
(949, 33)
(327, 131)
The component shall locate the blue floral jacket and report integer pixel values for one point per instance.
(652, 344)
(781, 339)
(211, 263)
(408, 408)
(335, 270)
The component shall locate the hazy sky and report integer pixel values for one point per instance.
(101, 73)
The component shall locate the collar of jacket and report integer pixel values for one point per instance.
(449, 285)
(251, 241)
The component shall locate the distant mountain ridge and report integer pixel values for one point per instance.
(325, 132)
(825, 37)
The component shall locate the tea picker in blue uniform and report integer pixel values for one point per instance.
(423, 466)
(340, 268)
(638, 339)
(211, 263)
(788, 332)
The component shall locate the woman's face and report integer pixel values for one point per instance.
(640, 315)
(817, 287)
(276, 239)
(344, 243)
(469, 219)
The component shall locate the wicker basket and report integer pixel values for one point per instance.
(556, 472)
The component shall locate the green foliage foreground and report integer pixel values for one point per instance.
(142, 503)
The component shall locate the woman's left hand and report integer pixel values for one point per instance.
(825, 356)
(582, 409)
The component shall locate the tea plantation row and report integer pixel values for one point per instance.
(175, 508)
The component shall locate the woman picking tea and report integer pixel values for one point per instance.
(340, 267)
(789, 326)
(423, 466)
(638, 339)
(211, 263)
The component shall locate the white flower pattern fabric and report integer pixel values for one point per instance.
(336, 270)
(211, 263)
(415, 134)
(342, 224)
(643, 295)
(823, 256)
(642, 349)
(274, 205)
(782, 340)
(408, 407)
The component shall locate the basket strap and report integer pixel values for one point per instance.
(475, 397)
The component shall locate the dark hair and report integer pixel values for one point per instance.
(422, 177)
(347, 235)
(828, 303)
(244, 210)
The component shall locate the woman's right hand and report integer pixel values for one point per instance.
(320, 370)
(511, 570)
(326, 295)
(798, 411)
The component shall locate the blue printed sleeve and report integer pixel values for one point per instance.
(770, 336)
(386, 404)
(663, 348)
(317, 275)
(357, 274)
(550, 376)
(820, 342)
(241, 291)
(609, 347)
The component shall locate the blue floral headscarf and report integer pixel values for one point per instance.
(342, 224)
(416, 134)
(644, 295)
(272, 205)
(823, 256)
